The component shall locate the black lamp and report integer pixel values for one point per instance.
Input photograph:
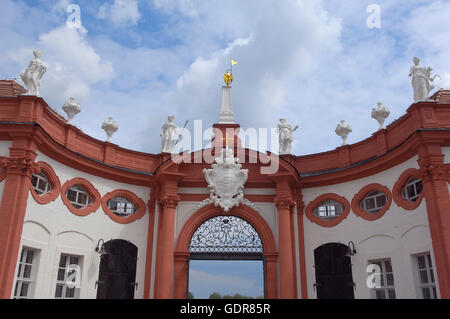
(101, 249)
(351, 251)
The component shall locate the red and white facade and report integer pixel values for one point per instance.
(34, 138)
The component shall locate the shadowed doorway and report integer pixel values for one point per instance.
(333, 272)
(117, 276)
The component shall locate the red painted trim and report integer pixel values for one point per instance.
(2, 169)
(18, 167)
(294, 259)
(398, 188)
(54, 182)
(137, 201)
(256, 198)
(150, 234)
(63, 142)
(164, 269)
(301, 248)
(433, 173)
(244, 212)
(327, 223)
(356, 201)
(93, 192)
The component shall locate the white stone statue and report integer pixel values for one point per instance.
(71, 108)
(421, 81)
(110, 127)
(380, 113)
(168, 135)
(285, 136)
(33, 74)
(343, 130)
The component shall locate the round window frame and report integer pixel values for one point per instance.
(398, 190)
(55, 185)
(359, 197)
(309, 212)
(141, 208)
(92, 191)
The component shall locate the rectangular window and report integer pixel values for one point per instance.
(68, 277)
(25, 280)
(386, 289)
(427, 283)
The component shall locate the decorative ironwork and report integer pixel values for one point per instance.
(225, 234)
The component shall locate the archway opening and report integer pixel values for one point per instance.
(226, 260)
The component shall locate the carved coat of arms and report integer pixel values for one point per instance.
(226, 181)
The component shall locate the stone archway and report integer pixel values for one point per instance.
(269, 252)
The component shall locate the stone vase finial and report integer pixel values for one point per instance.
(71, 108)
(110, 127)
(380, 113)
(343, 130)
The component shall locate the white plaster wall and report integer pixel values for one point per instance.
(396, 235)
(53, 229)
(2, 186)
(4, 147)
(446, 152)
(4, 151)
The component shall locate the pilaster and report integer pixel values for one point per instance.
(19, 167)
(433, 173)
(168, 201)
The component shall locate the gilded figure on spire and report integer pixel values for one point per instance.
(228, 77)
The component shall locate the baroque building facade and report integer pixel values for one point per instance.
(122, 222)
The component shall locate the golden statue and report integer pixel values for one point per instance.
(228, 77)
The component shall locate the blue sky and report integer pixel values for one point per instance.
(313, 62)
(227, 277)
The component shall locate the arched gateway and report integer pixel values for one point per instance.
(212, 234)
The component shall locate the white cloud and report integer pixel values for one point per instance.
(313, 62)
(121, 12)
(289, 42)
(73, 66)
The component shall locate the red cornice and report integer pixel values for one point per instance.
(70, 146)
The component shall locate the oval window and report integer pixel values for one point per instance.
(412, 189)
(121, 206)
(374, 202)
(40, 183)
(329, 209)
(78, 196)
